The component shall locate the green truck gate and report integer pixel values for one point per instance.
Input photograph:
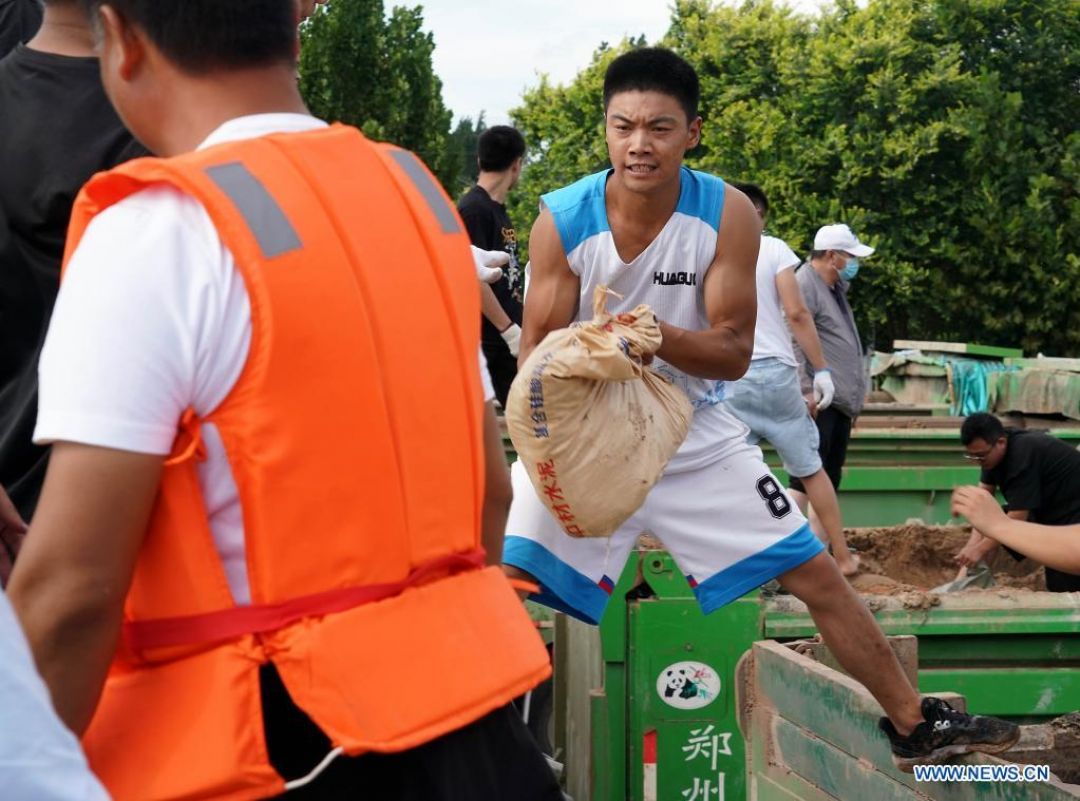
(1013, 655)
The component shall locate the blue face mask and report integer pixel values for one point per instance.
(851, 269)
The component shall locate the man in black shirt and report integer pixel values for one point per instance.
(1039, 476)
(19, 21)
(500, 152)
(57, 129)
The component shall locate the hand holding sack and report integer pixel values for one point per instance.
(593, 426)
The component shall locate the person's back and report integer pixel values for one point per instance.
(1040, 475)
(772, 339)
(500, 152)
(1044, 473)
(291, 517)
(57, 129)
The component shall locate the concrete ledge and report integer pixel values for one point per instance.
(813, 735)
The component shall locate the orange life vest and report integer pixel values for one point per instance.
(354, 436)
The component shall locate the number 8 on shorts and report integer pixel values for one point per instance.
(774, 497)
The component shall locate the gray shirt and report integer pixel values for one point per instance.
(839, 337)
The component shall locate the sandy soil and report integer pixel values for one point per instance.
(916, 557)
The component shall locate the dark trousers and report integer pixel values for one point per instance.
(502, 367)
(834, 432)
(1056, 581)
(493, 759)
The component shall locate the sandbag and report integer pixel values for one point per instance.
(593, 426)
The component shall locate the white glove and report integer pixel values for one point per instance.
(823, 388)
(512, 337)
(489, 263)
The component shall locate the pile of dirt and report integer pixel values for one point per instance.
(915, 557)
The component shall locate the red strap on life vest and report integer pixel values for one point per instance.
(228, 624)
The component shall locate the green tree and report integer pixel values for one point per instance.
(463, 143)
(945, 132)
(563, 128)
(359, 66)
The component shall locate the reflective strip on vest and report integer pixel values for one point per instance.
(260, 211)
(412, 167)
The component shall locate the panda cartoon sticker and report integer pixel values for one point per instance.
(688, 685)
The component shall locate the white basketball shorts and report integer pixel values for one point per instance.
(729, 525)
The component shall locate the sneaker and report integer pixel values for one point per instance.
(945, 732)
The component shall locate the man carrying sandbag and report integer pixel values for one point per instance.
(686, 244)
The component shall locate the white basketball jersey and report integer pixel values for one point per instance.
(669, 275)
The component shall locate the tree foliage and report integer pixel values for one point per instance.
(463, 143)
(374, 71)
(945, 132)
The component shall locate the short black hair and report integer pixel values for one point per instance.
(654, 69)
(981, 425)
(200, 36)
(818, 254)
(755, 193)
(499, 147)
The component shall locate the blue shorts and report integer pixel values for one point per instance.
(729, 525)
(768, 399)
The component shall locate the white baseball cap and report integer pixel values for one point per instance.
(840, 237)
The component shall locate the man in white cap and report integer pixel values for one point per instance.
(824, 281)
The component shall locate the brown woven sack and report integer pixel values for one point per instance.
(593, 426)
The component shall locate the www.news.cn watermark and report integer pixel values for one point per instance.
(982, 773)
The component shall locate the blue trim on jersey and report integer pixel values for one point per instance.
(701, 195)
(580, 210)
(733, 582)
(561, 587)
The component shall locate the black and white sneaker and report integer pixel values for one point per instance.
(945, 732)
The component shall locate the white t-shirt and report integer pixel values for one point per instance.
(152, 318)
(40, 758)
(772, 337)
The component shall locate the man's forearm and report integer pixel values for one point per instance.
(718, 353)
(492, 310)
(73, 576)
(802, 327)
(1054, 546)
(73, 648)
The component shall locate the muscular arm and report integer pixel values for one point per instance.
(72, 576)
(799, 318)
(552, 298)
(723, 350)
